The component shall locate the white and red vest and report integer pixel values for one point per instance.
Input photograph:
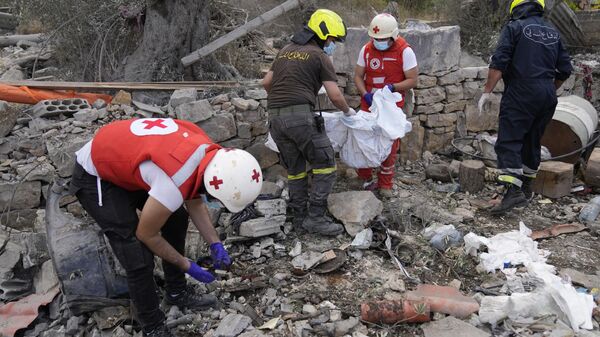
(180, 148)
(384, 67)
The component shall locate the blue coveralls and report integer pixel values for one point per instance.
(531, 56)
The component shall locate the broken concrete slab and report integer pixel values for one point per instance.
(272, 189)
(232, 325)
(270, 208)
(196, 111)
(86, 115)
(43, 171)
(354, 209)
(45, 279)
(182, 96)
(262, 226)
(363, 239)
(220, 127)
(62, 153)
(581, 279)
(23, 195)
(8, 118)
(452, 327)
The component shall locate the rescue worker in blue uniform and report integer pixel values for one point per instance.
(533, 63)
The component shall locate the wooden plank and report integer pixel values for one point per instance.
(104, 86)
(239, 32)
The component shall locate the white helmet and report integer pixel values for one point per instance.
(383, 26)
(234, 177)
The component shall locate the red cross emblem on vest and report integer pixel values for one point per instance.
(255, 175)
(216, 182)
(151, 124)
(376, 29)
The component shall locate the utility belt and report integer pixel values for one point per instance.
(299, 110)
(291, 110)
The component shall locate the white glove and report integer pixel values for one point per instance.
(484, 102)
(350, 112)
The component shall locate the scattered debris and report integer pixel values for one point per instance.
(451, 327)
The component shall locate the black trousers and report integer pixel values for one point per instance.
(118, 219)
(526, 108)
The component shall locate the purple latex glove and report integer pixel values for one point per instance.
(368, 97)
(199, 273)
(221, 259)
(391, 87)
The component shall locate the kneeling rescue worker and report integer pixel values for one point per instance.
(292, 83)
(533, 63)
(157, 165)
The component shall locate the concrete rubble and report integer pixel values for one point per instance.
(274, 287)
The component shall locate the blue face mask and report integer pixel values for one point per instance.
(381, 45)
(329, 49)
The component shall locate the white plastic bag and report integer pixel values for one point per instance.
(336, 130)
(391, 119)
(270, 143)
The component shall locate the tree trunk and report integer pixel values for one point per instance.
(173, 29)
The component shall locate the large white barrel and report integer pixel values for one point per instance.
(572, 127)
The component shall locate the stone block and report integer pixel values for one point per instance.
(483, 73)
(86, 115)
(437, 49)
(220, 127)
(22, 220)
(232, 325)
(26, 195)
(455, 77)
(270, 208)
(196, 111)
(15, 73)
(471, 90)
(62, 153)
(439, 120)
(182, 96)
(354, 209)
(256, 94)
(237, 143)
(244, 130)
(451, 327)
(8, 118)
(429, 109)
(265, 156)
(244, 104)
(430, 96)
(482, 121)
(554, 179)
(271, 188)
(251, 116)
(436, 140)
(259, 128)
(121, 98)
(219, 99)
(34, 249)
(43, 171)
(426, 81)
(455, 106)
(471, 73)
(411, 147)
(454, 93)
(262, 226)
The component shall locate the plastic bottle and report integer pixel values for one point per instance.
(590, 212)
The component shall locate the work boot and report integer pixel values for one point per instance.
(298, 219)
(189, 299)
(513, 197)
(160, 331)
(526, 187)
(318, 222)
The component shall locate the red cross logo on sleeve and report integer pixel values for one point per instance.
(255, 175)
(376, 29)
(158, 123)
(216, 182)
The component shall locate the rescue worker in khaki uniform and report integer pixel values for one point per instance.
(386, 61)
(293, 82)
(156, 166)
(533, 63)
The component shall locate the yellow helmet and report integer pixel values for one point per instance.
(326, 23)
(517, 3)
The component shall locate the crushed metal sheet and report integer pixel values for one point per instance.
(18, 315)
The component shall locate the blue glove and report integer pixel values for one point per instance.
(219, 255)
(199, 273)
(391, 87)
(368, 97)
